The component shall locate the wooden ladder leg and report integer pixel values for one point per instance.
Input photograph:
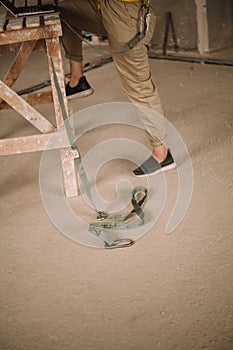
(19, 62)
(69, 171)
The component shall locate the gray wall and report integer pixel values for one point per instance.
(184, 18)
(220, 23)
(219, 16)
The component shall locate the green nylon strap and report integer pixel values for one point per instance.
(144, 20)
(115, 222)
(133, 42)
(77, 160)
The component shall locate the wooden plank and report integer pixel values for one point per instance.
(27, 34)
(14, 24)
(68, 166)
(23, 108)
(54, 53)
(32, 21)
(51, 19)
(33, 143)
(19, 62)
(69, 173)
(37, 98)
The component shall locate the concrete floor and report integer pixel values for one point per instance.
(165, 292)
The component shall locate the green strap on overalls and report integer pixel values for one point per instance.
(144, 19)
(114, 222)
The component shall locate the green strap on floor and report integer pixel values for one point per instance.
(114, 222)
(118, 222)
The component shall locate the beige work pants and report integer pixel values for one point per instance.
(120, 22)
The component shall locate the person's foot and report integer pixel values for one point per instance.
(151, 166)
(82, 89)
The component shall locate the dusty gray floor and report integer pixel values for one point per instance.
(167, 291)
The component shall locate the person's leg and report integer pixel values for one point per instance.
(77, 16)
(76, 72)
(121, 21)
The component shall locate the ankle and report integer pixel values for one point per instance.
(160, 153)
(74, 80)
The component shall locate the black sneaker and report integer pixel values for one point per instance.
(151, 166)
(82, 89)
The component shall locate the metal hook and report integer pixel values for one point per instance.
(120, 243)
(101, 215)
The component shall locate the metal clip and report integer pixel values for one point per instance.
(148, 16)
(120, 243)
(101, 215)
(75, 154)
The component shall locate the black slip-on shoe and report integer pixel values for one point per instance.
(151, 166)
(82, 89)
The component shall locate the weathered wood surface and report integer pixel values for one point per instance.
(10, 23)
(33, 143)
(69, 172)
(23, 36)
(26, 110)
(12, 48)
(32, 22)
(36, 98)
(54, 53)
(19, 62)
(27, 34)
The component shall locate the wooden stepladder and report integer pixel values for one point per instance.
(23, 36)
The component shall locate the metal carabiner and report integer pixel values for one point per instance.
(147, 21)
(101, 215)
(120, 243)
